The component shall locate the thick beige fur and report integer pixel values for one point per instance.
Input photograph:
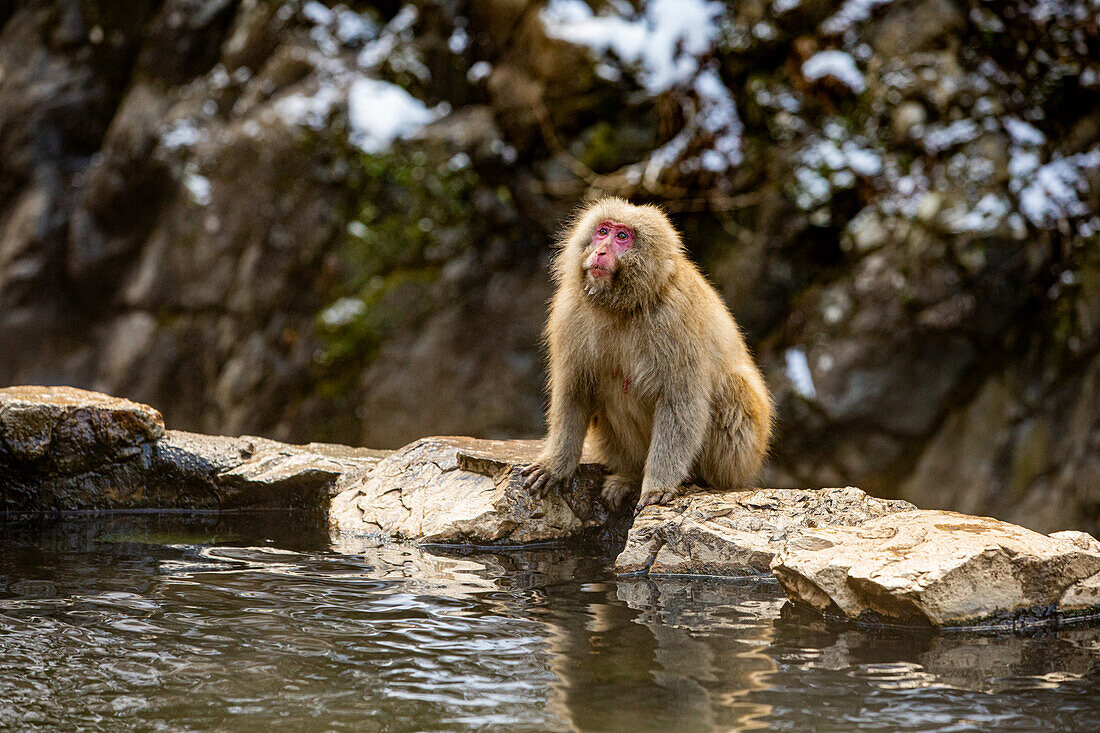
(651, 365)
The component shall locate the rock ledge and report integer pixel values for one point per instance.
(65, 449)
(738, 533)
(944, 569)
(453, 490)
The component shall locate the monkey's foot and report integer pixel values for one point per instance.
(657, 496)
(539, 480)
(616, 489)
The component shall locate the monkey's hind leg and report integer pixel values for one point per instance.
(618, 487)
(734, 452)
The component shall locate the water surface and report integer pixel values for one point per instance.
(262, 621)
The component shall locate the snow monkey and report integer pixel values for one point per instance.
(647, 361)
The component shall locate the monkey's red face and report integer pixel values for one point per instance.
(609, 240)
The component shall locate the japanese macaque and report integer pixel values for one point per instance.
(646, 360)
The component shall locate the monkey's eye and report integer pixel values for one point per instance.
(622, 235)
(602, 231)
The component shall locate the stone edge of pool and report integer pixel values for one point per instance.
(836, 550)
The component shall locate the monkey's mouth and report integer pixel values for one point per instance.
(597, 272)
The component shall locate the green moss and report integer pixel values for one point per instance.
(601, 151)
(408, 215)
(608, 145)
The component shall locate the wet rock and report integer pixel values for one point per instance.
(466, 491)
(257, 472)
(940, 568)
(738, 533)
(65, 449)
(70, 430)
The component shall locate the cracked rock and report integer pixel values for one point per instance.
(466, 491)
(944, 569)
(738, 533)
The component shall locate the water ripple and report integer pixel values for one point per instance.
(279, 628)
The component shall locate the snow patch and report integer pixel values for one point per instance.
(1053, 194)
(198, 187)
(309, 110)
(479, 71)
(381, 113)
(343, 312)
(851, 13)
(316, 12)
(984, 217)
(1022, 133)
(837, 64)
(798, 371)
(717, 115)
(828, 164)
(665, 41)
(941, 137)
(458, 41)
(182, 134)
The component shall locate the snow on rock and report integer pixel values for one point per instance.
(851, 13)
(718, 116)
(665, 41)
(664, 44)
(1022, 133)
(941, 137)
(310, 110)
(832, 163)
(798, 371)
(1053, 193)
(380, 113)
(836, 64)
(984, 217)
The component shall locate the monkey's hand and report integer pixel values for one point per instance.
(652, 496)
(539, 480)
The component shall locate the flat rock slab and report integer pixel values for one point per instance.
(738, 533)
(463, 491)
(944, 569)
(65, 449)
(251, 472)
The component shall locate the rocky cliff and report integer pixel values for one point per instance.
(332, 222)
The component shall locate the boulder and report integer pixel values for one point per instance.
(942, 568)
(448, 490)
(70, 430)
(738, 533)
(65, 449)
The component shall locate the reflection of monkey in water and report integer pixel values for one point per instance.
(645, 354)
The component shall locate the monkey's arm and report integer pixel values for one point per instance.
(570, 413)
(680, 421)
